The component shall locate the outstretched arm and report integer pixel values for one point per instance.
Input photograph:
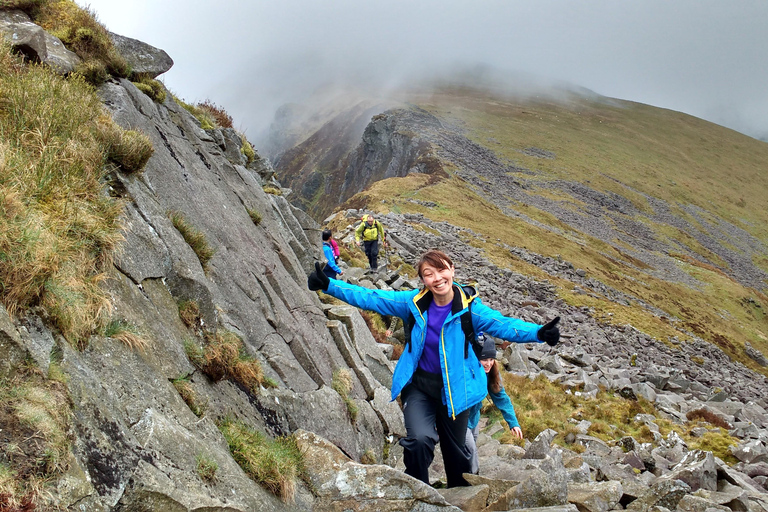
(490, 321)
(504, 404)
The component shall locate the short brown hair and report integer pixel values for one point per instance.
(435, 258)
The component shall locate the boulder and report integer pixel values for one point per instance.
(469, 499)
(341, 484)
(595, 496)
(697, 469)
(143, 58)
(666, 493)
(35, 43)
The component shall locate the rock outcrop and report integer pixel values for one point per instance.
(35, 43)
(143, 58)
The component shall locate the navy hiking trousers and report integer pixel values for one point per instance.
(427, 421)
(372, 251)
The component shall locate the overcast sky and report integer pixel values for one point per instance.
(708, 58)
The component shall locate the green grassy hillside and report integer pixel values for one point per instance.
(710, 180)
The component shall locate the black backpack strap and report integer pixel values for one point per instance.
(466, 327)
(469, 331)
(408, 324)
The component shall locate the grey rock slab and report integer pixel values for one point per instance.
(595, 496)
(698, 469)
(364, 342)
(341, 484)
(661, 494)
(11, 346)
(469, 499)
(389, 412)
(142, 57)
(35, 43)
(544, 486)
(691, 503)
(323, 412)
(751, 451)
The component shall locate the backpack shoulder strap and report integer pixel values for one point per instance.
(408, 324)
(469, 331)
(466, 327)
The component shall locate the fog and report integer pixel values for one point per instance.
(702, 57)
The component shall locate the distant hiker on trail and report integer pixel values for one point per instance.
(334, 246)
(331, 269)
(498, 396)
(370, 230)
(438, 376)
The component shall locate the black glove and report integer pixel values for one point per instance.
(549, 333)
(317, 280)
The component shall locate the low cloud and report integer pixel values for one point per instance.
(702, 57)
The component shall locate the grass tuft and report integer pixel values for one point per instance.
(220, 116)
(206, 120)
(81, 32)
(127, 333)
(189, 396)
(247, 150)
(151, 87)
(223, 356)
(35, 415)
(130, 149)
(368, 457)
(206, 468)
(194, 237)
(255, 216)
(275, 464)
(341, 382)
(273, 190)
(189, 312)
(709, 417)
(58, 230)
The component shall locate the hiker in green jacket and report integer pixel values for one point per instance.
(370, 230)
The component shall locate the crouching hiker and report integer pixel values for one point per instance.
(498, 396)
(438, 376)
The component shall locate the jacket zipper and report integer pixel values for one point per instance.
(447, 379)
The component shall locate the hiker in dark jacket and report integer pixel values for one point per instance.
(499, 397)
(438, 377)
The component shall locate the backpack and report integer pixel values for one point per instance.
(366, 227)
(466, 326)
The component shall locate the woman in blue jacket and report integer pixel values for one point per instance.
(439, 379)
(499, 397)
(331, 269)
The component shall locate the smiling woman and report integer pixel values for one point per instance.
(439, 378)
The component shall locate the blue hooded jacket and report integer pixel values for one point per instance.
(464, 379)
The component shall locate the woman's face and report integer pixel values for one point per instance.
(487, 364)
(438, 281)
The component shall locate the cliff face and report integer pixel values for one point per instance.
(353, 150)
(136, 442)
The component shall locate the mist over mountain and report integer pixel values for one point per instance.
(702, 58)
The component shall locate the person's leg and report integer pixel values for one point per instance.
(471, 443)
(419, 445)
(367, 246)
(374, 257)
(456, 457)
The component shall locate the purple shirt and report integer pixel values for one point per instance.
(430, 357)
